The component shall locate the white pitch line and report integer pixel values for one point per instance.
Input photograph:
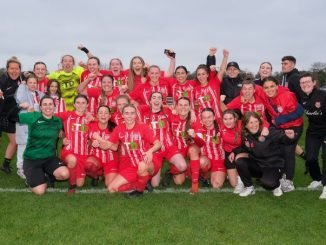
(168, 190)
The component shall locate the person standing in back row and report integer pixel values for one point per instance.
(290, 75)
(232, 82)
(314, 102)
(9, 83)
(291, 80)
(286, 116)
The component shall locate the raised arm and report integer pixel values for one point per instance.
(223, 65)
(211, 59)
(85, 50)
(170, 71)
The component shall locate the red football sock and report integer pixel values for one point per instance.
(142, 182)
(72, 176)
(194, 165)
(194, 188)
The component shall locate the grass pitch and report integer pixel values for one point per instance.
(165, 217)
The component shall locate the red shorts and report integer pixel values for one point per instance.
(217, 165)
(169, 152)
(111, 167)
(129, 173)
(81, 162)
(157, 162)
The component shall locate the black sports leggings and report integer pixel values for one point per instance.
(248, 168)
(315, 141)
(288, 153)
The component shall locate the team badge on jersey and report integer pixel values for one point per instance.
(317, 104)
(133, 145)
(207, 98)
(112, 110)
(185, 94)
(215, 139)
(280, 109)
(161, 124)
(184, 134)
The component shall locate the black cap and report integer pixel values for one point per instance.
(234, 64)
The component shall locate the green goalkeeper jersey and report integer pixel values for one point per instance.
(68, 83)
(42, 135)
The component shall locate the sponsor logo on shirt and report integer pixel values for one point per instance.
(131, 145)
(135, 136)
(160, 124)
(79, 127)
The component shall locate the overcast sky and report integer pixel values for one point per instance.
(253, 31)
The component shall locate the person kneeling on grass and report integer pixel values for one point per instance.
(75, 144)
(212, 153)
(260, 156)
(100, 159)
(40, 153)
(137, 163)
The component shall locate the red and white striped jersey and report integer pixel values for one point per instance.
(212, 143)
(120, 79)
(138, 79)
(255, 104)
(178, 126)
(60, 105)
(208, 97)
(159, 123)
(104, 155)
(143, 92)
(182, 90)
(95, 83)
(109, 100)
(76, 131)
(117, 118)
(42, 85)
(134, 142)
